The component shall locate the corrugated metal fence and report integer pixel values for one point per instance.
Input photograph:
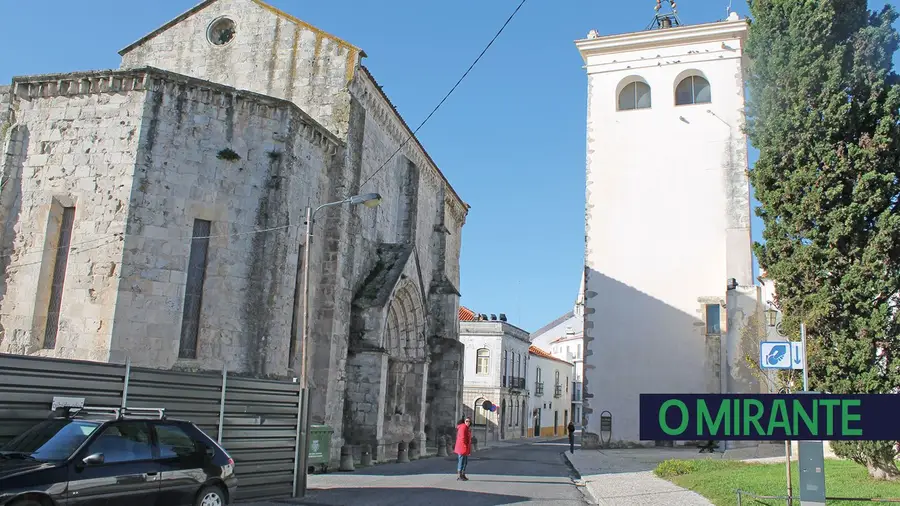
(259, 416)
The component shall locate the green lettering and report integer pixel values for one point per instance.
(704, 417)
(829, 418)
(779, 408)
(847, 417)
(662, 417)
(754, 419)
(800, 412)
(737, 416)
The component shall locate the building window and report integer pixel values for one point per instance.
(579, 351)
(693, 90)
(221, 31)
(712, 319)
(193, 290)
(505, 367)
(634, 96)
(480, 414)
(482, 361)
(59, 277)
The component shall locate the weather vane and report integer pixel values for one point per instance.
(665, 19)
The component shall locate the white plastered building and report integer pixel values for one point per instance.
(668, 258)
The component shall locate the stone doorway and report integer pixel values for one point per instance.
(387, 373)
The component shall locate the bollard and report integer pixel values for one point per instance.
(413, 450)
(474, 444)
(365, 459)
(346, 459)
(442, 446)
(402, 455)
(449, 445)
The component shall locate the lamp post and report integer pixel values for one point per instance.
(302, 439)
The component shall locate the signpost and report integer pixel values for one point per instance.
(811, 458)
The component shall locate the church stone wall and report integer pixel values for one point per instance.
(271, 53)
(65, 150)
(5, 110)
(181, 175)
(248, 305)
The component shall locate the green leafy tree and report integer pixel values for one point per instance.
(824, 110)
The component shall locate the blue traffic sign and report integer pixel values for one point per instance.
(796, 354)
(775, 355)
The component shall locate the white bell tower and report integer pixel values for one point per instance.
(667, 211)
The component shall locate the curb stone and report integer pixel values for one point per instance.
(579, 481)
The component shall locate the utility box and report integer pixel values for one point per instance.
(811, 460)
(319, 451)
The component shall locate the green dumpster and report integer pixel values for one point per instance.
(319, 451)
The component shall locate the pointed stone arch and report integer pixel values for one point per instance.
(404, 333)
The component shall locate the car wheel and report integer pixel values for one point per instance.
(26, 502)
(211, 496)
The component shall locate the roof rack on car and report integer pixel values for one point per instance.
(118, 413)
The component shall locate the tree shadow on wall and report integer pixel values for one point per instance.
(391, 496)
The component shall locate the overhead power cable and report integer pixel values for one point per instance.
(511, 16)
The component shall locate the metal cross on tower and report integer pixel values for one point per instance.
(665, 19)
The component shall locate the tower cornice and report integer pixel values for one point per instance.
(708, 32)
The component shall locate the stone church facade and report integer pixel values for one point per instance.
(157, 213)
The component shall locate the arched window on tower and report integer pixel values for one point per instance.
(482, 361)
(635, 95)
(693, 89)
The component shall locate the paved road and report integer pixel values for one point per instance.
(528, 474)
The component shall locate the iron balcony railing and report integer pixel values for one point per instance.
(538, 388)
(517, 383)
(557, 390)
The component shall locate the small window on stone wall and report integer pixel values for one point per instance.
(221, 31)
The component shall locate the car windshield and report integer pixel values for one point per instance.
(50, 440)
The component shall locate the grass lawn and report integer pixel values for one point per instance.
(717, 480)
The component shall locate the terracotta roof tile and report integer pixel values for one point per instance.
(466, 314)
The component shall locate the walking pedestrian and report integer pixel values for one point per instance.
(463, 447)
(571, 429)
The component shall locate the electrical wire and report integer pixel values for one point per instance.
(511, 16)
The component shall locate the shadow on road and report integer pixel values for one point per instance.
(502, 461)
(388, 496)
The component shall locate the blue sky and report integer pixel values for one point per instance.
(511, 138)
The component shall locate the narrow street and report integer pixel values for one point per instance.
(526, 474)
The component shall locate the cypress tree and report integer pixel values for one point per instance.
(824, 112)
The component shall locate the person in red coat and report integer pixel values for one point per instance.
(463, 447)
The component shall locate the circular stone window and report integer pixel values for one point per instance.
(221, 31)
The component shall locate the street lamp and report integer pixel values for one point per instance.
(772, 315)
(302, 440)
